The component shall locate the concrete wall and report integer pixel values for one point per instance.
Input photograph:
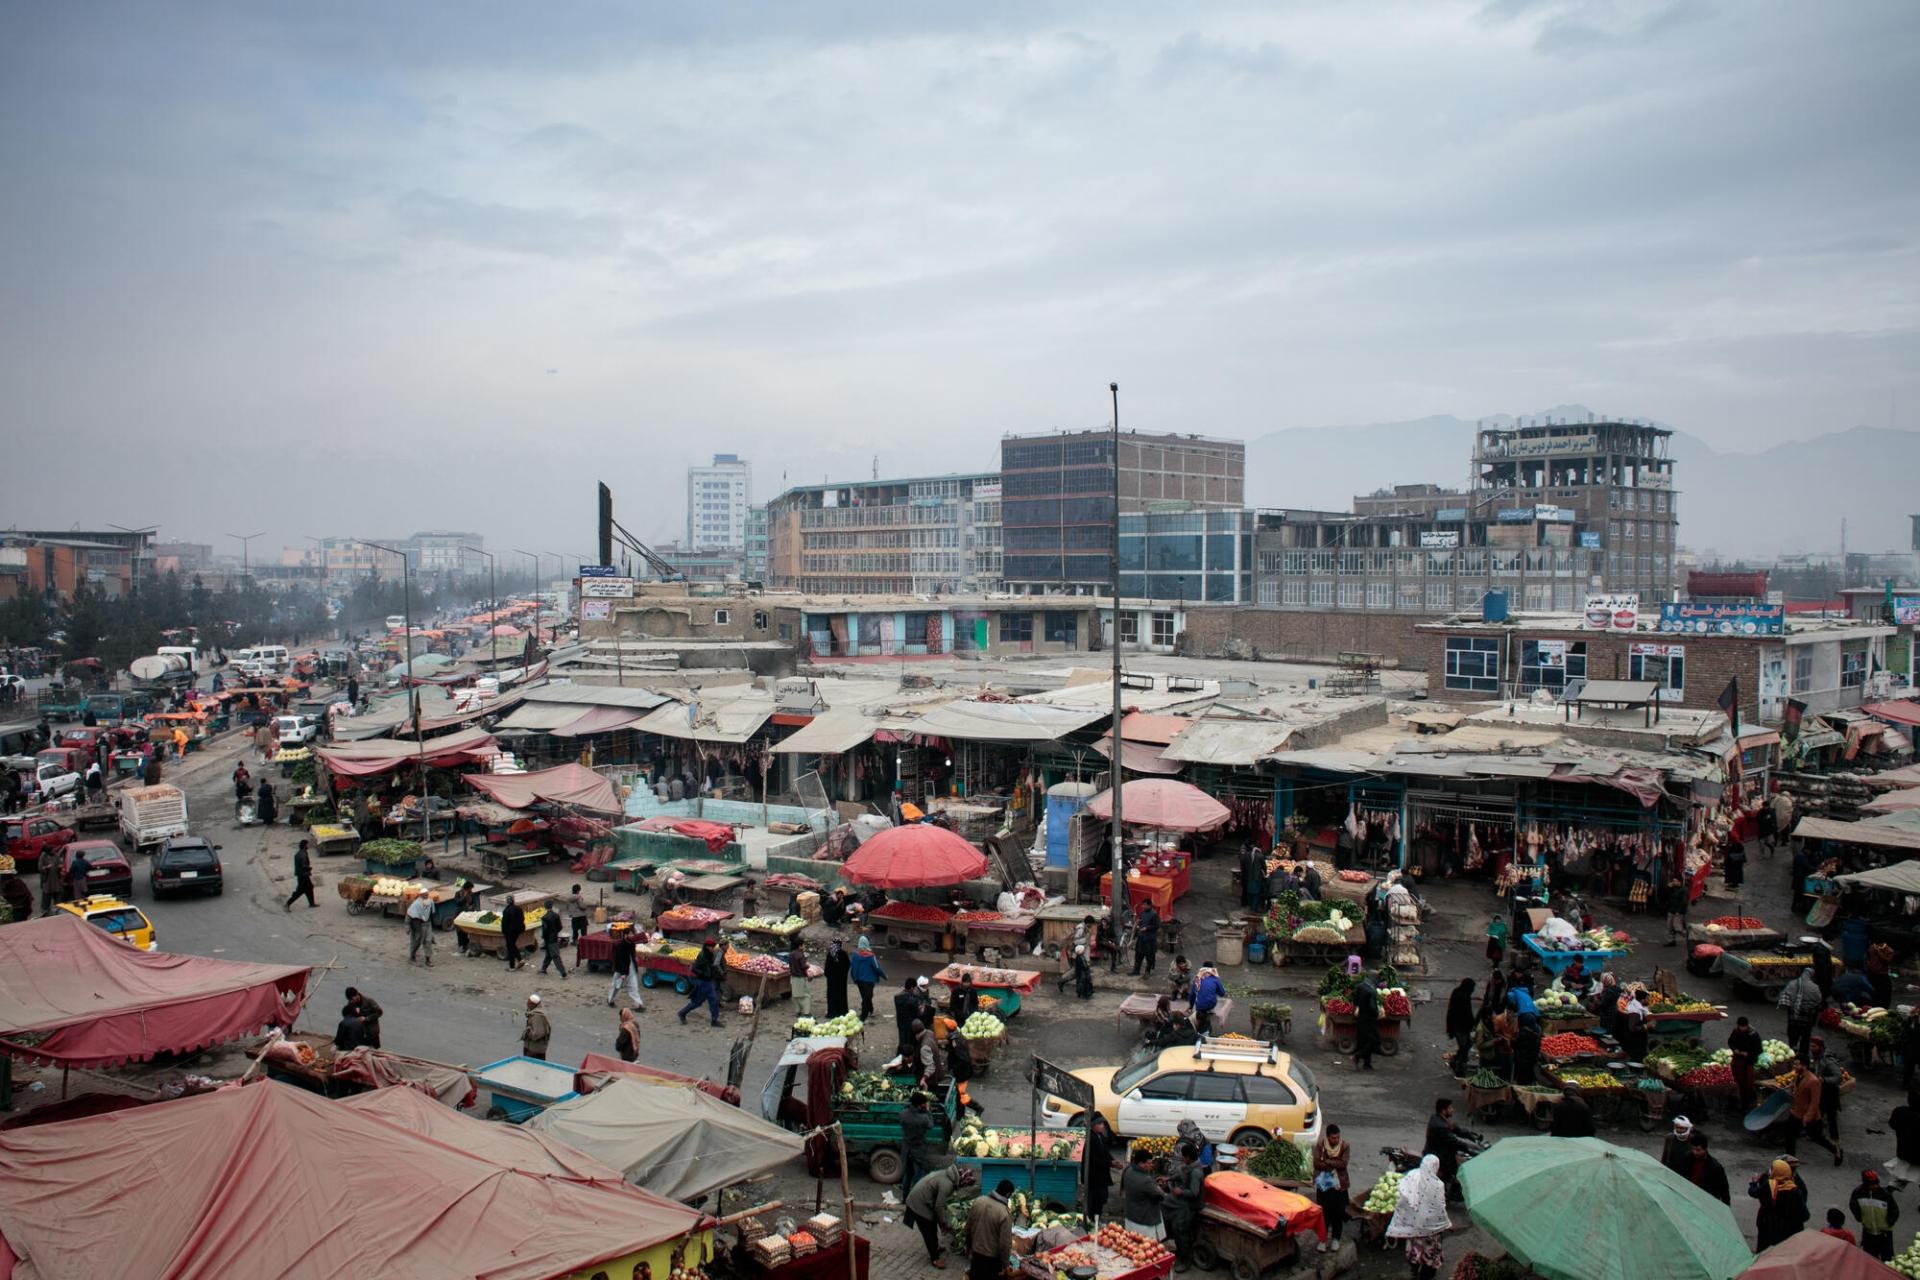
(1251, 631)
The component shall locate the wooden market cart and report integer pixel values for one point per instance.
(1343, 1029)
(1005, 985)
(1009, 934)
(1246, 1249)
(334, 839)
(913, 926)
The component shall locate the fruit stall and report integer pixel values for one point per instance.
(1112, 1253)
(747, 971)
(1142, 1008)
(1762, 974)
(1030, 1214)
(1339, 1021)
(1735, 933)
(392, 857)
(1046, 1163)
(334, 839)
(1873, 1035)
(1009, 934)
(1594, 949)
(481, 929)
(1615, 1091)
(779, 931)
(1562, 1011)
(666, 963)
(1006, 986)
(913, 925)
(1371, 1212)
(697, 923)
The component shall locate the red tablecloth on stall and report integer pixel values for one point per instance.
(1177, 872)
(1141, 890)
(829, 1263)
(1697, 883)
(1263, 1205)
(595, 946)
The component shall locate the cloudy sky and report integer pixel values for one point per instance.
(360, 268)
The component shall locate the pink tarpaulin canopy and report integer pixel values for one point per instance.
(1137, 757)
(572, 784)
(1810, 1253)
(269, 1180)
(1163, 805)
(72, 994)
(1904, 712)
(1894, 801)
(916, 856)
(715, 835)
(371, 759)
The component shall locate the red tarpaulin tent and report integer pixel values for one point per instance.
(571, 784)
(1809, 1253)
(915, 857)
(715, 835)
(1162, 804)
(371, 759)
(73, 995)
(269, 1180)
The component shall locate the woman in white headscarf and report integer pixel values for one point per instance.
(1420, 1218)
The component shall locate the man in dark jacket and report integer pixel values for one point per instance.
(706, 977)
(1444, 1141)
(1673, 900)
(1096, 1166)
(915, 1123)
(1140, 1195)
(513, 923)
(368, 1010)
(1874, 1209)
(1572, 1117)
(837, 964)
(906, 1012)
(1146, 940)
(1366, 1024)
(1181, 1211)
(550, 943)
(989, 1233)
(302, 878)
(1693, 1163)
(1460, 1025)
(927, 1201)
(626, 970)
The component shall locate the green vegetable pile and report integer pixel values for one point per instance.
(1890, 1030)
(1485, 1079)
(1337, 983)
(871, 1086)
(1279, 1161)
(391, 853)
(1384, 1194)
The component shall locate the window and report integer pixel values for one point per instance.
(1853, 668)
(1211, 1086)
(1129, 634)
(1268, 592)
(1171, 1087)
(1439, 595)
(1292, 593)
(1062, 627)
(1550, 664)
(917, 634)
(1379, 596)
(1163, 630)
(1294, 562)
(1802, 671)
(1321, 593)
(1664, 664)
(1473, 664)
(1321, 561)
(1352, 594)
(722, 617)
(1265, 1091)
(1016, 628)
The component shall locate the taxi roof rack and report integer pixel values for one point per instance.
(1215, 1049)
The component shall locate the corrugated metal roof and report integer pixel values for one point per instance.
(710, 719)
(1004, 721)
(1229, 742)
(596, 695)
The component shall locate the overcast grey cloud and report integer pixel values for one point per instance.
(814, 234)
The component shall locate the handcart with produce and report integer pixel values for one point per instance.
(1307, 931)
(1143, 1008)
(1111, 1253)
(984, 1035)
(991, 931)
(1339, 1021)
(334, 839)
(1006, 986)
(519, 1088)
(1763, 975)
(750, 973)
(912, 925)
(1594, 949)
(1735, 933)
(1487, 1094)
(355, 889)
(1045, 1165)
(1874, 1036)
(773, 931)
(1562, 1011)
(1371, 1213)
(1271, 1022)
(696, 923)
(666, 964)
(1253, 1224)
(1618, 1092)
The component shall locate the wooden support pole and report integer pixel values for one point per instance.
(846, 1199)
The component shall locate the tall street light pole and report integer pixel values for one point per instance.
(413, 688)
(246, 563)
(1120, 896)
(493, 611)
(536, 594)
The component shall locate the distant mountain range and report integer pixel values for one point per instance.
(1786, 500)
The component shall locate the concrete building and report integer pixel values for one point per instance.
(708, 564)
(920, 536)
(56, 563)
(1057, 512)
(1188, 555)
(443, 551)
(754, 561)
(1825, 664)
(718, 498)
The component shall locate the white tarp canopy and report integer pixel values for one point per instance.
(678, 1143)
(1901, 877)
(833, 731)
(1229, 742)
(710, 719)
(541, 717)
(1005, 721)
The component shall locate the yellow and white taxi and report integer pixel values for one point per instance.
(1240, 1091)
(121, 919)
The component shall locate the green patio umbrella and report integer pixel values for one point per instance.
(1583, 1209)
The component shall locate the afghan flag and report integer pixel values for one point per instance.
(1790, 723)
(1729, 702)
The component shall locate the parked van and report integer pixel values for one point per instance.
(262, 660)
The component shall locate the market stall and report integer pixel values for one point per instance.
(1338, 1020)
(1006, 986)
(913, 925)
(1012, 934)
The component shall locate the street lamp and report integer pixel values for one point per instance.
(246, 564)
(413, 688)
(536, 594)
(133, 554)
(562, 576)
(1120, 894)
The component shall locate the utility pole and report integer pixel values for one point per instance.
(413, 686)
(246, 563)
(493, 611)
(1118, 772)
(536, 595)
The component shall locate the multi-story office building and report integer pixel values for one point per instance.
(718, 497)
(1556, 511)
(1188, 555)
(441, 551)
(754, 562)
(932, 534)
(1057, 511)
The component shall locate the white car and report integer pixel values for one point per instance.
(55, 779)
(296, 731)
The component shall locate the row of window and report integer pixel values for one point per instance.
(1650, 566)
(1033, 484)
(1057, 511)
(1057, 626)
(1473, 664)
(882, 539)
(1647, 530)
(1407, 597)
(1656, 500)
(1437, 564)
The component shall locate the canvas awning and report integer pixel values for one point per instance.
(600, 720)
(540, 717)
(270, 1180)
(507, 1145)
(1137, 757)
(678, 1143)
(1004, 721)
(832, 732)
(371, 759)
(1901, 877)
(1894, 801)
(1869, 833)
(74, 995)
(572, 784)
(709, 720)
(475, 710)
(1903, 711)
(1907, 776)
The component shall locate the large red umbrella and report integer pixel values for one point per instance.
(1809, 1253)
(915, 857)
(1163, 804)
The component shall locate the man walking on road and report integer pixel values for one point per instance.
(302, 879)
(577, 914)
(626, 970)
(706, 972)
(538, 1032)
(420, 928)
(513, 923)
(550, 944)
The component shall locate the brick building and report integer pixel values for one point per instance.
(923, 535)
(1826, 664)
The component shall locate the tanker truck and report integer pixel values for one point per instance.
(169, 667)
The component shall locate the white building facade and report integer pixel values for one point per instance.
(718, 497)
